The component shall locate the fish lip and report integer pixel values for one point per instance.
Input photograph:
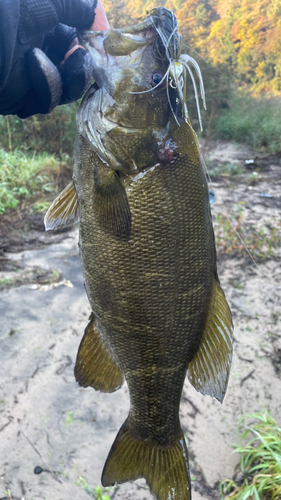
(160, 25)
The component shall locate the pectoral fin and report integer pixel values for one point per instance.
(94, 365)
(64, 210)
(111, 204)
(210, 367)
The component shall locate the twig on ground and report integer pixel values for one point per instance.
(250, 375)
(42, 458)
(6, 425)
(245, 359)
(115, 491)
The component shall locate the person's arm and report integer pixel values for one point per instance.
(34, 80)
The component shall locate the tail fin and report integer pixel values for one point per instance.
(165, 468)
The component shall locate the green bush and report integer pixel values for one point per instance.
(53, 133)
(260, 461)
(252, 120)
(23, 176)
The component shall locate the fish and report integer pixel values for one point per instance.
(147, 248)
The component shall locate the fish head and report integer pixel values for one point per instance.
(138, 92)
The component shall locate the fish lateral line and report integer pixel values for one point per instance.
(141, 320)
(152, 370)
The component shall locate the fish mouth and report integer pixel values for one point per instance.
(160, 27)
(115, 53)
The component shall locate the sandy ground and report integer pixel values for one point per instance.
(46, 420)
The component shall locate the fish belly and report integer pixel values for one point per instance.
(150, 293)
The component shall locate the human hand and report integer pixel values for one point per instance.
(47, 65)
(100, 23)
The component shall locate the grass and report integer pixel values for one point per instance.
(30, 276)
(22, 176)
(252, 120)
(234, 237)
(54, 133)
(41, 207)
(68, 418)
(260, 461)
(5, 281)
(227, 169)
(98, 493)
(235, 115)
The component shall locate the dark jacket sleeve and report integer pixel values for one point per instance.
(37, 17)
(9, 23)
(23, 26)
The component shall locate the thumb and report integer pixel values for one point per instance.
(45, 79)
(101, 22)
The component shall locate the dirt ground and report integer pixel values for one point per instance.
(46, 420)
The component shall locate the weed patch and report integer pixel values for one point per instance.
(23, 176)
(226, 169)
(98, 493)
(252, 120)
(231, 232)
(54, 133)
(260, 461)
(29, 276)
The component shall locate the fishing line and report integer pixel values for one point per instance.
(196, 94)
(152, 88)
(185, 60)
(166, 75)
(170, 104)
(195, 51)
(197, 69)
(221, 204)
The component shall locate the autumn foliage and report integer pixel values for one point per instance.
(242, 35)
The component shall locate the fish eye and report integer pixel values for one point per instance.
(156, 80)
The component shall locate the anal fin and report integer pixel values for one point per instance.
(165, 468)
(209, 369)
(64, 210)
(94, 365)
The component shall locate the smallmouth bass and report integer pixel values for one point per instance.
(147, 249)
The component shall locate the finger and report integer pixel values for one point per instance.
(71, 50)
(74, 43)
(38, 17)
(58, 41)
(76, 74)
(45, 79)
(101, 22)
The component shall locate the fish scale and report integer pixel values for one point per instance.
(147, 250)
(160, 309)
